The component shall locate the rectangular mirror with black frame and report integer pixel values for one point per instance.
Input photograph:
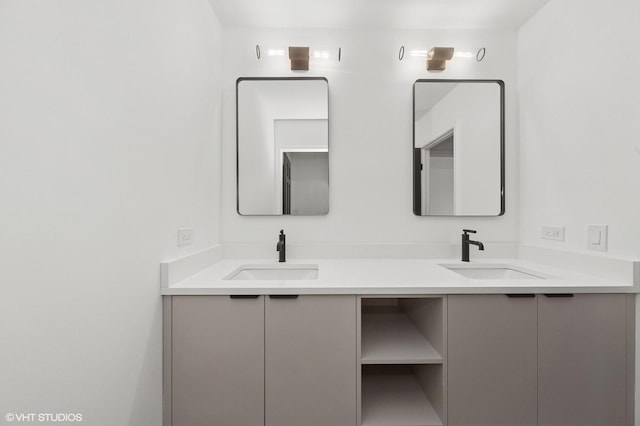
(282, 128)
(458, 148)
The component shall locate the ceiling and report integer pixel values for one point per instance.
(385, 14)
(428, 95)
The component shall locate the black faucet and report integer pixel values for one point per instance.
(281, 247)
(466, 242)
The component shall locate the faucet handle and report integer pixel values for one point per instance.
(469, 231)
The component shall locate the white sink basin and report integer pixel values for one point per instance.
(493, 272)
(274, 272)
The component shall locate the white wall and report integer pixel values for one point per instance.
(580, 132)
(256, 187)
(370, 134)
(109, 141)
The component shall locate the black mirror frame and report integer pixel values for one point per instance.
(502, 142)
(238, 81)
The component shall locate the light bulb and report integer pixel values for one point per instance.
(464, 55)
(326, 53)
(475, 53)
(418, 53)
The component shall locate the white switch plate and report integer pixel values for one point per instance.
(597, 236)
(185, 236)
(555, 233)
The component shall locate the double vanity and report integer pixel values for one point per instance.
(412, 342)
(373, 336)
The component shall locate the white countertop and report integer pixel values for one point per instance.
(392, 276)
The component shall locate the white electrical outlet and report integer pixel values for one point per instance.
(597, 236)
(555, 233)
(185, 236)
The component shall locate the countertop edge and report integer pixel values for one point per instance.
(400, 290)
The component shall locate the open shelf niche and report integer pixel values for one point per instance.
(401, 361)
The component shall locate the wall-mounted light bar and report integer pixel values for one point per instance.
(436, 58)
(301, 56)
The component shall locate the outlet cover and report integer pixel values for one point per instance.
(555, 233)
(597, 236)
(185, 236)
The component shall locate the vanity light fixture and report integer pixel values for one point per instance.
(437, 57)
(300, 56)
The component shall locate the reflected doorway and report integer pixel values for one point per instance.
(437, 178)
(305, 182)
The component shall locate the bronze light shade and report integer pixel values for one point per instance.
(437, 58)
(299, 57)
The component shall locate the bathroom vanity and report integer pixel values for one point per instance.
(350, 347)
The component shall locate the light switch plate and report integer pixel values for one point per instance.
(185, 236)
(555, 233)
(597, 236)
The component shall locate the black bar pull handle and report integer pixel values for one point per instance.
(244, 296)
(521, 295)
(559, 295)
(283, 296)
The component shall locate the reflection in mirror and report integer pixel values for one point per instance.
(283, 146)
(458, 148)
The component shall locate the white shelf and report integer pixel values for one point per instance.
(395, 399)
(391, 338)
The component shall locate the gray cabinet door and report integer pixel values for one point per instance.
(310, 361)
(217, 361)
(582, 349)
(492, 360)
